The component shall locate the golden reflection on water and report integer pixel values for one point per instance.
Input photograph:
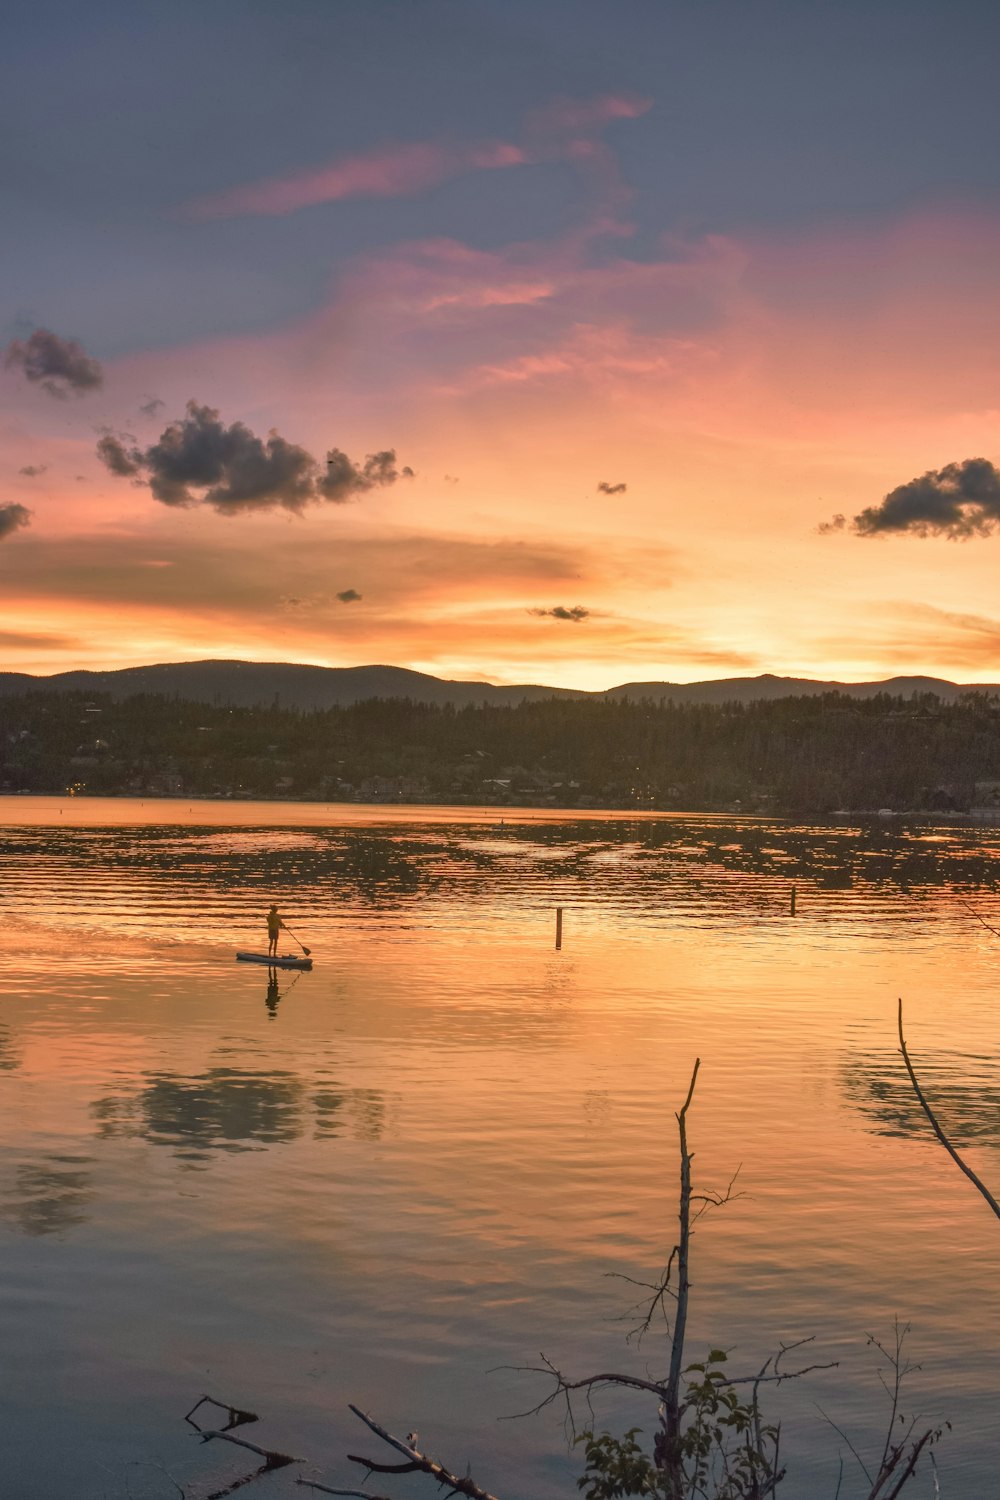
(417, 1162)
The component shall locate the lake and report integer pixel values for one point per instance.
(391, 1179)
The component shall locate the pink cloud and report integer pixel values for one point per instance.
(573, 116)
(397, 170)
(386, 172)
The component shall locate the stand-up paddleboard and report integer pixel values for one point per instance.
(285, 961)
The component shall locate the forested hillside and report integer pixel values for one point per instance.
(795, 755)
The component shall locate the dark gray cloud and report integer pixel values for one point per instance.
(115, 458)
(560, 612)
(604, 488)
(152, 407)
(344, 478)
(58, 365)
(32, 471)
(835, 523)
(12, 518)
(961, 500)
(198, 460)
(349, 596)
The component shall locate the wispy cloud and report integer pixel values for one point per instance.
(560, 129)
(579, 116)
(921, 639)
(390, 171)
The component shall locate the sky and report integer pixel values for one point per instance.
(575, 342)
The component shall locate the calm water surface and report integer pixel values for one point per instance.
(420, 1162)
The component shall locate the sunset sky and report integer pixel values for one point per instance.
(621, 319)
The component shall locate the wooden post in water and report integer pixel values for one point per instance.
(791, 911)
(559, 912)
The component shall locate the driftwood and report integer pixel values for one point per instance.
(415, 1462)
(237, 1417)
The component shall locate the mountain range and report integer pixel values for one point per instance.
(297, 686)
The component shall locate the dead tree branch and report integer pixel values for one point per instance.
(900, 1456)
(666, 1449)
(237, 1417)
(564, 1387)
(977, 1182)
(415, 1460)
(314, 1484)
(978, 918)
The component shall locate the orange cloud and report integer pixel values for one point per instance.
(745, 389)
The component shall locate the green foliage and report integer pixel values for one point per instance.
(616, 1467)
(725, 1450)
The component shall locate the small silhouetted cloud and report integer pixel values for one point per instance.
(961, 500)
(116, 458)
(58, 365)
(560, 612)
(835, 523)
(604, 488)
(13, 518)
(198, 460)
(32, 471)
(451, 479)
(152, 407)
(349, 596)
(344, 478)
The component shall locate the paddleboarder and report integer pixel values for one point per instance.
(274, 926)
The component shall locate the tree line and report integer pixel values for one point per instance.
(790, 755)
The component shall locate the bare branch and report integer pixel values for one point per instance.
(273, 1459)
(776, 1379)
(237, 1417)
(841, 1433)
(377, 1468)
(667, 1452)
(590, 1382)
(978, 918)
(314, 1484)
(962, 1166)
(464, 1485)
(910, 1467)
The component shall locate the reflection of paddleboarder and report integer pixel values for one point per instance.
(274, 926)
(273, 993)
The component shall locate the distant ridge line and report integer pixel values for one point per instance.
(248, 684)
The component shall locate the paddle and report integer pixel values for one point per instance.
(302, 945)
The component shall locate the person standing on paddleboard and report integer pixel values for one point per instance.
(274, 926)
